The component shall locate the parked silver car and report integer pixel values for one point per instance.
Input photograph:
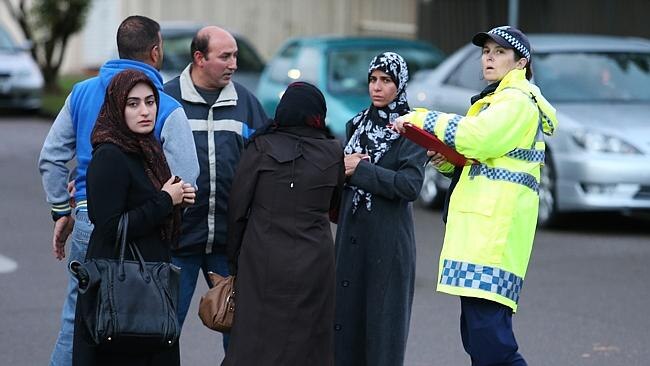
(598, 160)
(21, 81)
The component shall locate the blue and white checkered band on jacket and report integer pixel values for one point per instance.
(514, 42)
(479, 277)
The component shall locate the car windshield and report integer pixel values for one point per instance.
(177, 52)
(593, 77)
(348, 68)
(6, 43)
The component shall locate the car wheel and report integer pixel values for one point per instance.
(548, 214)
(430, 194)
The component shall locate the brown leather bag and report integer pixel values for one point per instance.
(217, 306)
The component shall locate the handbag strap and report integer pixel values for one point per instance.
(120, 240)
(135, 252)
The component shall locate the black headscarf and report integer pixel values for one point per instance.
(371, 132)
(111, 128)
(301, 107)
(302, 104)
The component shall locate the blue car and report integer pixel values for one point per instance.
(338, 66)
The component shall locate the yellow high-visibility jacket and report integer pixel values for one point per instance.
(493, 209)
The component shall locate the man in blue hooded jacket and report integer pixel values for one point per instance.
(139, 44)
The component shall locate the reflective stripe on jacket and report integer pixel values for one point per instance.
(220, 132)
(493, 209)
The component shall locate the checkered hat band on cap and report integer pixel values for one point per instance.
(512, 40)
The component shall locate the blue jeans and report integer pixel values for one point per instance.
(486, 331)
(62, 353)
(190, 266)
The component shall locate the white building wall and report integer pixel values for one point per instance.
(266, 23)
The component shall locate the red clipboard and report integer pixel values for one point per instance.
(431, 142)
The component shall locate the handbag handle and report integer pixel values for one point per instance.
(135, 252)
(120, 239)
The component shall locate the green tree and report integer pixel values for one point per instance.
(48, 25)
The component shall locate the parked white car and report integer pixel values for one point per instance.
(21, 81)
(598, 159)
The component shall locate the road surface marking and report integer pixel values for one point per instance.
(7, 264)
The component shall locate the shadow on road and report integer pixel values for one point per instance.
(603, 223)
(595, 223)
(9, 116)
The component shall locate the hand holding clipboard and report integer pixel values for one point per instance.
(431, 142)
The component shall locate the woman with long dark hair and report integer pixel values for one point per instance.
(129, 173)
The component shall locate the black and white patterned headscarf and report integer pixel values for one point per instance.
(372, 135)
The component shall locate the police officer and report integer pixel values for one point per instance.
(492, 211)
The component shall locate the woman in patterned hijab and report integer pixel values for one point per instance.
(375, 239)
(372, 135)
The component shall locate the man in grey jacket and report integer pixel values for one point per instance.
(139, 45)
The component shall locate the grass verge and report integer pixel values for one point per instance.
(53, 101)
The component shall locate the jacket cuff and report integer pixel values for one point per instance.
(60, 210)
(446, 168)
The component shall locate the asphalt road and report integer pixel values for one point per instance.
(585, 299)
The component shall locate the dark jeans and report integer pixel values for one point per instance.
(486, 331)
(190, 266)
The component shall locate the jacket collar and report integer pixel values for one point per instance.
(513, 78)
(227, 97)
(516, 79)
(113, 67)
(485, 92)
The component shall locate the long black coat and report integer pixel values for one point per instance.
(375, 259)
(117, 183)
(279, 231)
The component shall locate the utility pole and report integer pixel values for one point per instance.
(513, 13)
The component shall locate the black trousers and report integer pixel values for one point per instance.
(486, 331)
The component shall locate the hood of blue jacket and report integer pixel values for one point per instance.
(112, 67)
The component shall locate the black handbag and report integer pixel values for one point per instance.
(132, 302)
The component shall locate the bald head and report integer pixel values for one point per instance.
(214, 57)
(201, 40)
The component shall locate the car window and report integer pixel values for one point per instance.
(420, 59)
(593, 77)
(308, 65)
(280, 66)
(295, 63)
(468, 74)
(348, 67)
(247, 58)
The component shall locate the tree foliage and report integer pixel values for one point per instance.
(48, 25)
